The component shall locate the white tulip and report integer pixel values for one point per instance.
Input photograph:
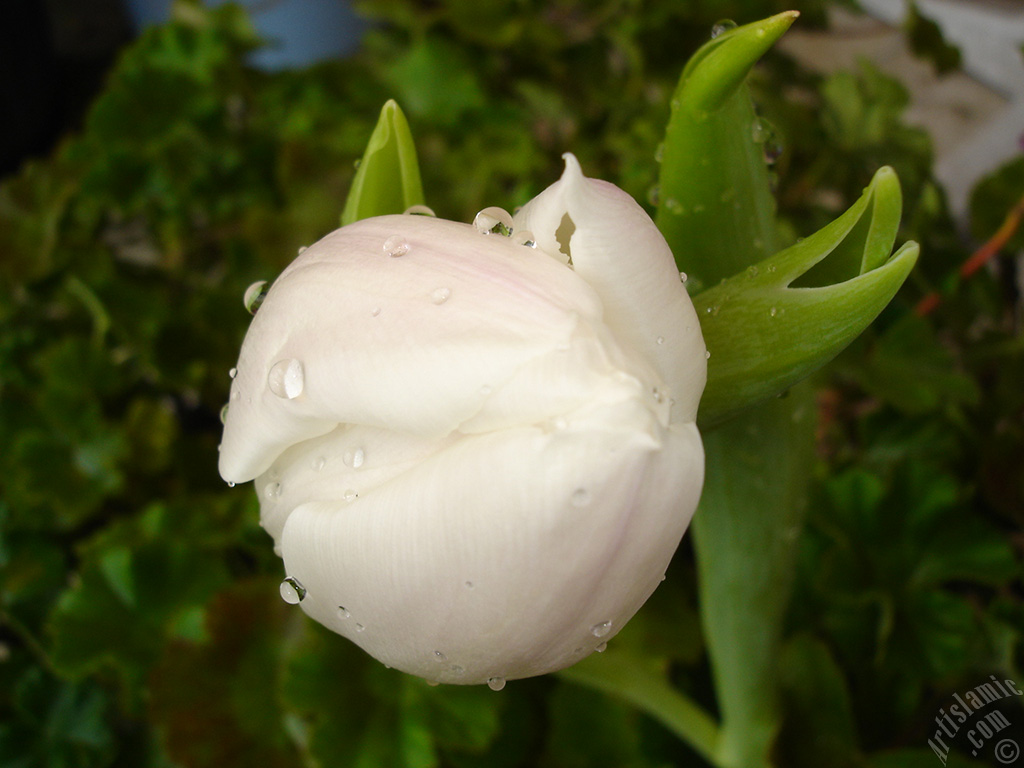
(475, 457)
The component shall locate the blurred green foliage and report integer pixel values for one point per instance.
(139, 624)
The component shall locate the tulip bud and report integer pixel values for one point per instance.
(476, 453)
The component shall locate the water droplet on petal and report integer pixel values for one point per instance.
(469, 585)
(350, 495)
(419, 210)
(343, 612)
(722, 27)
(318, 463)
(396, 246)
(683, 277)
(440, 295)
(493, 221)
(360, 628)
(524, 237)
(358, 457)
(602, 629)
(292, 591)
(375, 311)
(273, 490)
(224, 414)
(301, 249)
(660, 340)
(232, 373)
(580, 497)
(286, 379)
(439, 656)
(457, 670)
(231, 483)
(602, 648)
(496, 683)
(254, 296)
(773, 312)
(433, 683)
(707, 354)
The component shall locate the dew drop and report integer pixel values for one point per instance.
(301, 249)
(231, 483)
(292, 591)
(707, 354)
(349, 495)
(683, 277)
(224, 414)
(419, 210)
(602, 648)
(433, 683)
(660, 340)
(286, 379)
(496, 683)
(457, 670)
(524, 237)
(760, 130)
(360, 628)
(469, 585)
(375, 311)
(440, 295)
(254, 296)
(396, 246)
(318, 463)
(773, 312)
(580, 497)
(358, 457)
(343, 612)
(439, 656)
(722, 27)
(232, 373)
(273, 490)
(602, 629)
(493, 221)
(656, 394)
(713, 311)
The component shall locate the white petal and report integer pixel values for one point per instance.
(619, 251)
(378, 348)
(497, 556)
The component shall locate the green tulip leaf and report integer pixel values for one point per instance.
(783, 318)
(388, 178)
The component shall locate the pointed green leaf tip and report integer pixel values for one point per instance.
(785, 317)
(388, 178)
(720, 66)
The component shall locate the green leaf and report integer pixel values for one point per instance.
(765, 332)
(388, 178)
(820, 728)
(636, 680)
(714, 205)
